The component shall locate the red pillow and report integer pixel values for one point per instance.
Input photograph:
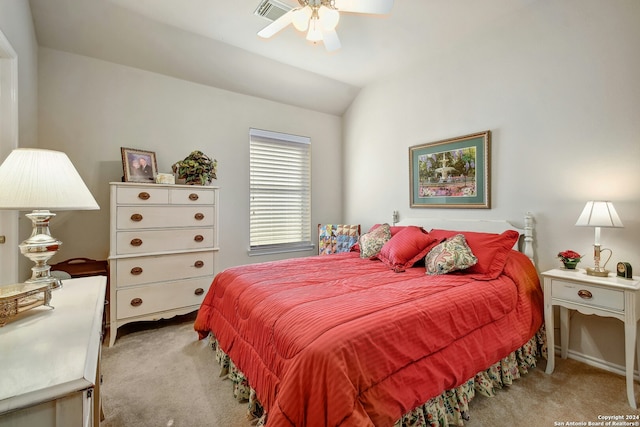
(491, 249)
(406, 247)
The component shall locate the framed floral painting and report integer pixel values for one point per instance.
(452, 173)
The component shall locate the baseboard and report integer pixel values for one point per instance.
(598, 363)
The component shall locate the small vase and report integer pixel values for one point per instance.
(570, 265)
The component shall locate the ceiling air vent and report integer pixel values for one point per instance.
(271, 9)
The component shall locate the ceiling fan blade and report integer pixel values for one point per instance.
(364, 6)
(331, 40)
(277, 25)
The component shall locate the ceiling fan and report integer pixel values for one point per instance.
(320, 17)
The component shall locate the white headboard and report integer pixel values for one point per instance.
(524, 245)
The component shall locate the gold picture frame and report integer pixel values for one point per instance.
(452, 173)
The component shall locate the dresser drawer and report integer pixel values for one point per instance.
(147, 195)
(146, 241)
(141, 270)
(188, 196)
(160, 297)
(137, 217)
(588, 294)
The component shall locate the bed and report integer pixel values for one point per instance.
(406, 337)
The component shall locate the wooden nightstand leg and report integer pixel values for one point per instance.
(637, 348)
(630, 330)
(548, 324)
(564, 332)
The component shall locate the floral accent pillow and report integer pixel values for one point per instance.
(491, 249)
(372, 242)
(451, 255)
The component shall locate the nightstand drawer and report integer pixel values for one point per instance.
(587, 294)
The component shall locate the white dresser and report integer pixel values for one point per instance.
(50, 359)
(164, 239)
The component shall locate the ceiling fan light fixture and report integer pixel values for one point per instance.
(319, 18)
(315, 30)
(328, 17)
(301, 18)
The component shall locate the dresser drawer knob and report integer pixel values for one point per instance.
(199, 264)
(193, 196)
(136, 271)
(199, 216)
(198, 238)
(136, 302)
(199, 291)
(136, 242)
(144, 196)
(136, 217)
(583, 293)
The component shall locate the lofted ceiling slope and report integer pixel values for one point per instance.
(214, 43)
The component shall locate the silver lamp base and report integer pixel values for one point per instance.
(597, 270)
(601, 272)
(40, 247)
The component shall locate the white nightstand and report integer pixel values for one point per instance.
(50, 359)
(603, 296)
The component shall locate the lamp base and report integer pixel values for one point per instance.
(39, 248)
(598, 272)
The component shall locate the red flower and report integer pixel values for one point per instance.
(569, 255)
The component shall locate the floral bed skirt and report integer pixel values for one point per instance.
(451, 408)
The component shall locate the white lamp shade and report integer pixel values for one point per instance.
(42, 179)
(599, 214)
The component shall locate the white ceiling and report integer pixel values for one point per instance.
(214, 42)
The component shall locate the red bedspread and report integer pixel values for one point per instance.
(340, 341)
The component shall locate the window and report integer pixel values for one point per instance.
(280, 192)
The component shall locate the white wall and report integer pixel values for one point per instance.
(17, 26)
(558, 87)
(90, 108)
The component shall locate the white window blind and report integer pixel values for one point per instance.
(280, 192)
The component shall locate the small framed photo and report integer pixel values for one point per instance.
(453, 173)
(139, 165)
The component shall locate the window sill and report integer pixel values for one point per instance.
(271, 251)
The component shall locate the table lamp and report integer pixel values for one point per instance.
(599, 214)
(39, 180)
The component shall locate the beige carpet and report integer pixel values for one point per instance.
(158, 374)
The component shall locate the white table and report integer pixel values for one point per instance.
(50, 359)
(603, 296)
